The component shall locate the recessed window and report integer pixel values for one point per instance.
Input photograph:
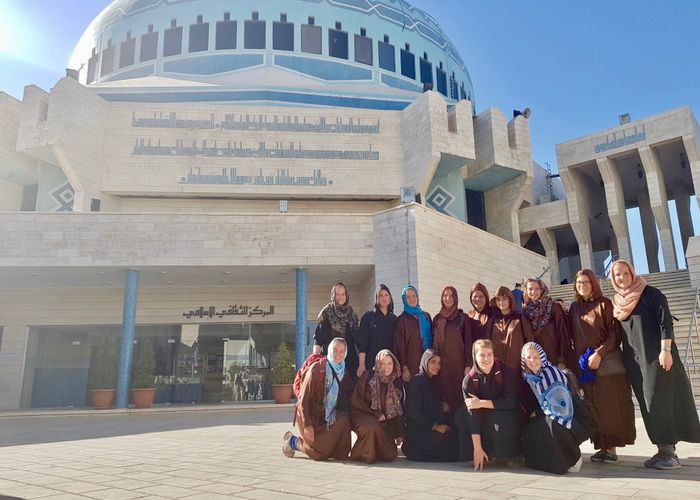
(282, 34)
(387, 55)
(92, 66)
(363, 48)
(254, 33)
(311, 38)
(199, 36)
(226, 33)
(441, 78)
(107, 65)
(408, 63)
(426, 69)
(338, 42)
(127, 51)
(172, 40)
(149, 45)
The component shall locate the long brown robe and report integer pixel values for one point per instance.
(555, 338)
(593, 325)
(479, 322)
(455, 352)
(408, 346)
(329, 442)
(376, 441)
(509, 334)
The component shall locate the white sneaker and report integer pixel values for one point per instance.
(577, 466)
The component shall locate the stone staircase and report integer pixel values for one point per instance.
(681, 300)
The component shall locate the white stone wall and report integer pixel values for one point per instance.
(547, 215)
(122, 240)
(10, 196)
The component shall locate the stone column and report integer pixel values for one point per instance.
(659, 204)
(692, 152)
(577, 202)
(126, 349)
(651, 240)
(615, 199)
(549, 242)
(301, 315)
(685, 220)
(13, 353)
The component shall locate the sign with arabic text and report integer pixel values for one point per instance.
(233, 311)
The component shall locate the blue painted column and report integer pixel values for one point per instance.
(301, 315)
(126, 349)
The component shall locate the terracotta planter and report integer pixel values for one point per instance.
(143, 398)
(102, 399)
(282, 393)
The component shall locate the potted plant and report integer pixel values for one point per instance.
(143, 382)
(103, 374)
(283, 375)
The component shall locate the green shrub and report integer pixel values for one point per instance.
(103, 369)
(283, 368)
(143, 366)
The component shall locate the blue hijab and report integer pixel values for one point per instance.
(332, 384)
(425, 334)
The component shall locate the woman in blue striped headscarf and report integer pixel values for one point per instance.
(413, 334)
(558, 418)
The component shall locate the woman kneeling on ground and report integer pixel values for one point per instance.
(428, 436)
(377, 411)
(558, 420)
(488, 424)
(322, 408)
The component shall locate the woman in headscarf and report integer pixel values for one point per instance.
(596, 335)
(428, 436)
(488, 423)
(481, 312)
(508, 329)
(413, 334)
(338, 319)
(376, 329)
(549, 323)
(377, 411)
(452, 341)
(557, 420)
(654, 367)
(322, 408)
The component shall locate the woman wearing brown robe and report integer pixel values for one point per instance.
(322, 408)
(549, 323)
(597, 337)
(377, 411)
(452, 342)
(508, 329)
(482, 312)
(413, 334)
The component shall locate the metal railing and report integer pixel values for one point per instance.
(689, 360)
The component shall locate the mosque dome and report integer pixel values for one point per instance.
(378, 54)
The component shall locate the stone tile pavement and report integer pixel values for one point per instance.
(236, 454)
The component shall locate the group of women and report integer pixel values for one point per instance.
(495, 385)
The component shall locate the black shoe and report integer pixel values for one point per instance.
(598, 456)
(610, 458)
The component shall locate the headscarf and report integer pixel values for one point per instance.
(393, 394)
(391, 298)
(342, 318)
(538, 311)
(424, 360)
(481, 316)
(332, 386)
(597, 290)
(624, 301)
(426, 335)
(503, 291)
(446, 314)
(550, 387)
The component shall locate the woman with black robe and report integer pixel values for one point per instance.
(376, 329)
(428, 436)
(481, 313)
(488, 424)
(338, 319)
(654, 366)
(557, 419)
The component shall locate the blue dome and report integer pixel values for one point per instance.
(358, 53)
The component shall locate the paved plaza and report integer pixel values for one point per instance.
(235, 453)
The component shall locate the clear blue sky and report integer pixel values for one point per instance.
(578, 65)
